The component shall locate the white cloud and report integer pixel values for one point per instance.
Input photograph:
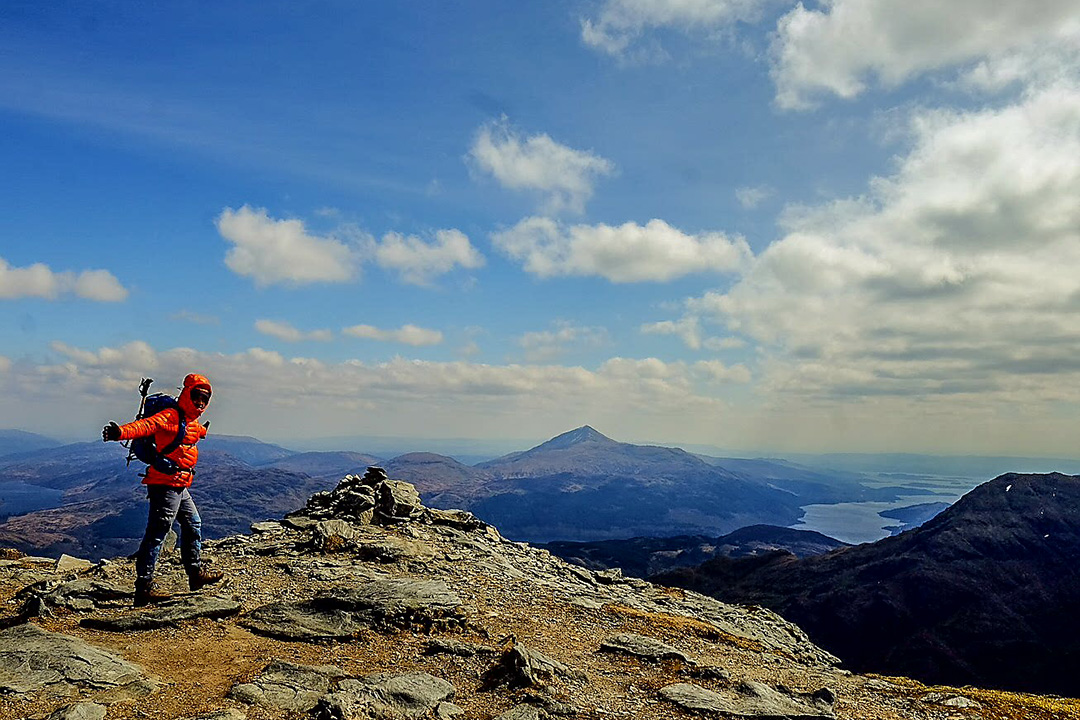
(654, 252)
(955, 276)
(282, 251)
(751, 197)
(838, 48)
(546, 345)
(406, 334)
(619, 23)
(285, 331)
(418, 261)
(564, 177)
(687, 329)
(716, 371)
(39, 281)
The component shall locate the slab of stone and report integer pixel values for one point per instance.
(66, 563)
(458, 519)
(643, 647)
(299, 521)
(752, 700)
(79, 711)
(265, 527)
(32, 659)
(396, 603)
(85, 594)
(448, 711)
(302, 621)
(168, 614)
(283, 685)
(227, 714)
(411, 695)
(951, 700)
(520, 712)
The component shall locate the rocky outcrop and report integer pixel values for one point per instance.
(447, 620)
(32, 660)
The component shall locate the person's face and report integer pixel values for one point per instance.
(200, 398)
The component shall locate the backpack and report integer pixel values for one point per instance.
(143, 449)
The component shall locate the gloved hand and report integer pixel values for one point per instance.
(110, 432)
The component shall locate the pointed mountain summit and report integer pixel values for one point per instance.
(578, 436)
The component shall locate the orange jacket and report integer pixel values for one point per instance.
(164, 426)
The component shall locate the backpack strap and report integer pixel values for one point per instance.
(180, 433)
(164, 464)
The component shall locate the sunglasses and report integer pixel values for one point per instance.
(198, 395)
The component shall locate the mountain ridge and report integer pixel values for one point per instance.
(983, 593)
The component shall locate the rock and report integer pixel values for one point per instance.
(643, 647)
(520, 712)
(374, 475)
(228, 714)
(66, 563)
(299, 521)
(333, 535)
(411, 695)
(397, 603)
(459, 519)
(951, 700)
(397, 501)
(265, 527)
(283, 685)
(448, 711)
(168, 614)
(33, 659)
(455, 647)
(523, 667)
(751, 700)
(79, 711)
(301, 621)
(82, 594)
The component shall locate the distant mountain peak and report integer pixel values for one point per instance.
(583, 434)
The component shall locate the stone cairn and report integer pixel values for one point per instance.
(371, 498)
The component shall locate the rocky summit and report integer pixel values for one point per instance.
(365, 604)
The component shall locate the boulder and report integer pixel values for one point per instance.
(521, 666)
(294, 688)
(334, 535)
(397, 501)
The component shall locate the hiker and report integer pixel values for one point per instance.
(167, 483)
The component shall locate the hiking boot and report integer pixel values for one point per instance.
(198, 579)
(146, 593)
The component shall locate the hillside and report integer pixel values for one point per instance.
(646, 556)
(985, 593)
(385, 609)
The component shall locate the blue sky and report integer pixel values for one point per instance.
(751, 224)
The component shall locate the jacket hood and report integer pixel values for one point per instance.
(192, 381)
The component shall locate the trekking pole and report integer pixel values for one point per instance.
(144, 387)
